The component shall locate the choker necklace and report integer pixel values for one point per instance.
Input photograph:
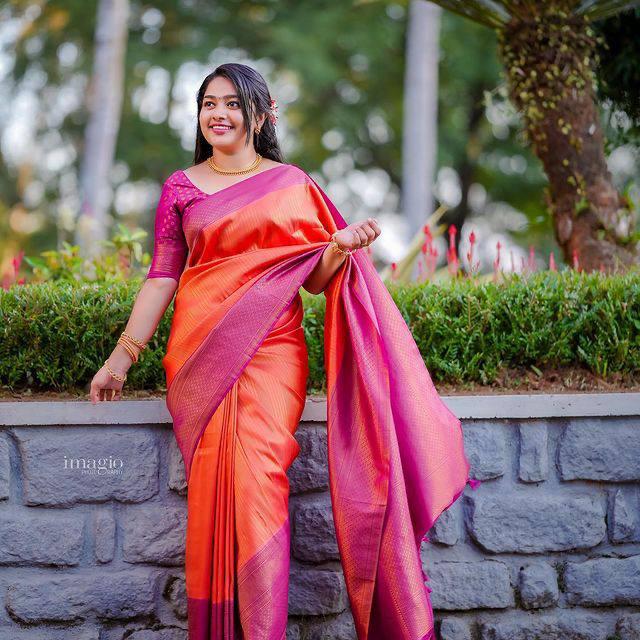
(234, 172)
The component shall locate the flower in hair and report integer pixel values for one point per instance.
(273, 116)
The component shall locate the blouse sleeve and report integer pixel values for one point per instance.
(170, 246)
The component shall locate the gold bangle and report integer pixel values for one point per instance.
(135, 341)
(126, 340)
(338, 249)
(128, 348)
(113, 374)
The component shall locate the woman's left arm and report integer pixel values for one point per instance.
(355, 236)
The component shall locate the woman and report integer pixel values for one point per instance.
(238, 250)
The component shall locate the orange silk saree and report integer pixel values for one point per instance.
(236, 367)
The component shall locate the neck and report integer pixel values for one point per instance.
(232, 161)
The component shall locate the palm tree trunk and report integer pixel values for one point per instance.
(548, 58)
(104, 104)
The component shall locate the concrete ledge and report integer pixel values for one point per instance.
(465, 407)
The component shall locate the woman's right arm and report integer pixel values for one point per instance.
(169, 258)
(150, 304)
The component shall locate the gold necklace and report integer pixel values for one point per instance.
(234, 172)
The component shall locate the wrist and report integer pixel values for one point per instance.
(337, 248)
(120, 360)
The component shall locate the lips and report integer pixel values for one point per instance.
(219, 127)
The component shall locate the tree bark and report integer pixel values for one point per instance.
(548, 59)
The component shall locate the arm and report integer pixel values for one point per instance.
(354, 236)
(322, 273)
(169, 258)
(152, 301)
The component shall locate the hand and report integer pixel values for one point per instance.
(358, 234)
(105, 387)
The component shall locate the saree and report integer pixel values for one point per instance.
(236, 369)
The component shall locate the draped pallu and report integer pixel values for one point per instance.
(236, 368)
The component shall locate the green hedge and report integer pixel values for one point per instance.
(55, 336)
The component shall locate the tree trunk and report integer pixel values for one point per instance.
(420, 127)
(104, 105)
(548, 59)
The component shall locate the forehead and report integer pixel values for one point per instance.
(220, 86)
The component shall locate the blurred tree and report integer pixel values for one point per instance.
(104, 107)
(548, 50)
(618, 71)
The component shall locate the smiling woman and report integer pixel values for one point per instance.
(240, 232)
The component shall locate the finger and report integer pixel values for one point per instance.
(101, 395)
(374, 225)
(363, 236)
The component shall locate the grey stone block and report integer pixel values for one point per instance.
(533, 523)
(603, 582)
(622, 523)
(567, 625)
(64, 466)
(600, 449)
(447, 527)
(533, 459)
(68, 633)
(309, 471)
(168, 633)
(452, 629)
(72, 598)
(155, 534)
(36, 538)
(294, 630)
(315, 538)
(177, 477)
(470, 585)
(628, 627)
(5, 468)
(176, 593)
(341, 627)
(104, 535)
(539, 586)
(485, 446)
(316, 591)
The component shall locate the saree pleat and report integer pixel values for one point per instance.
(238, 545)
(237, 368)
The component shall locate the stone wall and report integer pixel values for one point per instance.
(547, 547)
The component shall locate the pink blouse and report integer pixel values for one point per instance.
(177, 226)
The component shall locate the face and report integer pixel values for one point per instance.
(220, 107)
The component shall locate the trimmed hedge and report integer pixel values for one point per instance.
(55, 336)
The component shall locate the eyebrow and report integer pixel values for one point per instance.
(230, 95)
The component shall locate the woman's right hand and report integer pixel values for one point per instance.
(105, 387)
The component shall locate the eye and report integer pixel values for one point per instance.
(207, 103)
(234, 102)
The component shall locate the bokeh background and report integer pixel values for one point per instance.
(398, 108)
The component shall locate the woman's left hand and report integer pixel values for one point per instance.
(358, 234)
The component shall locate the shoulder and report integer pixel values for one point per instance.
(296, 171)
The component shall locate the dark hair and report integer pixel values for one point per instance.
(254, 100)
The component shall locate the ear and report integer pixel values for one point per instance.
(260, 120)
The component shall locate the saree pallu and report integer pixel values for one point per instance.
(236, 367)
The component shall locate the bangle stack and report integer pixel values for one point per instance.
(338, 249)
(130, 344)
